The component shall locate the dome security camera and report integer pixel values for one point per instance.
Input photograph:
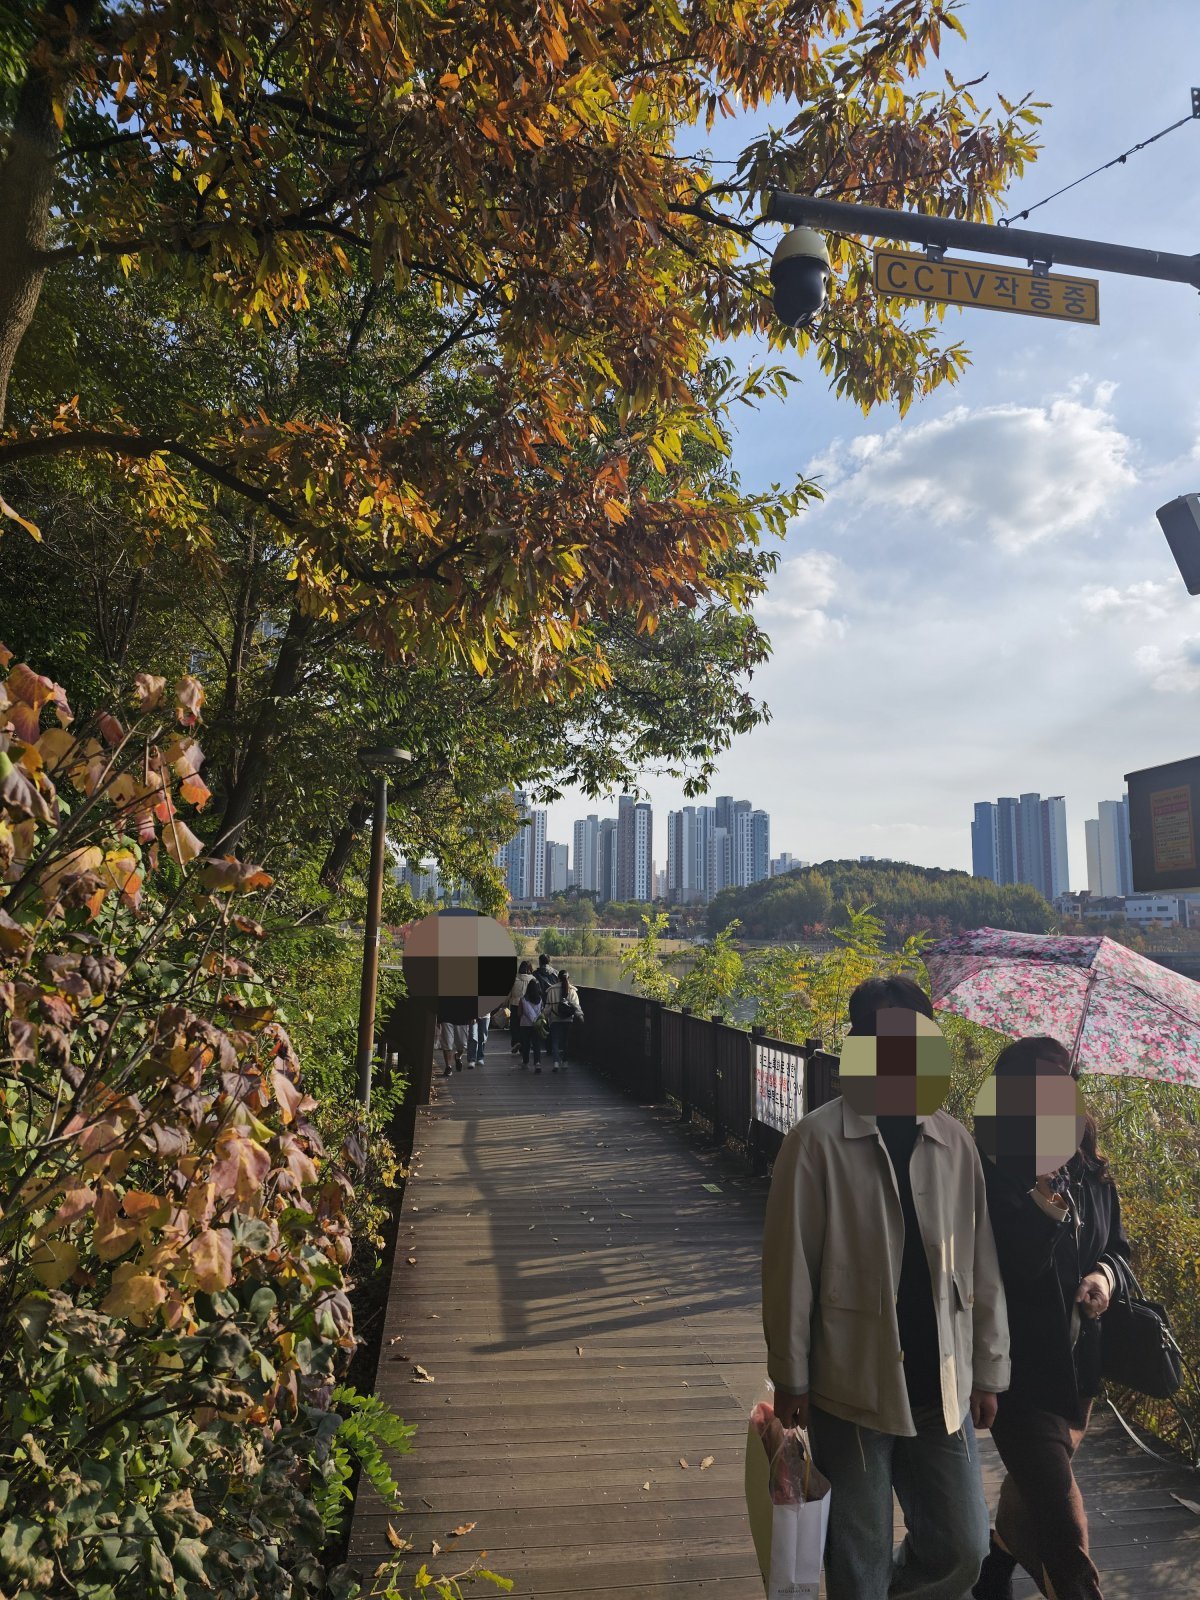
(800, 272)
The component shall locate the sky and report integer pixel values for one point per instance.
(984, 602)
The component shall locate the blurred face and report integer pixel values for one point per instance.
(1030, 1122)
(903, 1072)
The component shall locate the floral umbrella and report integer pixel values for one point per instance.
(1117, 1012)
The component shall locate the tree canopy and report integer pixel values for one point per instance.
(367, 354)
(907, 900)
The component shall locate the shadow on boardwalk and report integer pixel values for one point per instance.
(580, 1277)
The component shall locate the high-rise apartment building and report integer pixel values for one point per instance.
(643, 852)
(421, 880)
(760, 846)
(556, 868)
(706, 855)
(684, 883)
(785, 862)
(523, 858)
(741, 842)
(1109, 859)
(1022, 841)
(606, 859)
(587, 834)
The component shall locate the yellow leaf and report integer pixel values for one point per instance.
(30, 527)
(53, 1262)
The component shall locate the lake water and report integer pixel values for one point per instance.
(604, 972)
(595, 972)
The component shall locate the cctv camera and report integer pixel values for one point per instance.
(799, 274)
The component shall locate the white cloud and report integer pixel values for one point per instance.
(1145, 602)
(1021, 473)
(1173, 669)
(799, 597)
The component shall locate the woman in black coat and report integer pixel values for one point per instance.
(1058, 1242)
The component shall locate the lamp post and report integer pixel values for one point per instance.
(377, 759)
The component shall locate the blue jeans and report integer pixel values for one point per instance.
(937, 1482)
(479, 1034)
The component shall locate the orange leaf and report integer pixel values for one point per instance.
(211, 1257)
(196, 792)
(135, 1294)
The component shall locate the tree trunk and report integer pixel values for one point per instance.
(26, 195)
(252, 769)
(342, 848)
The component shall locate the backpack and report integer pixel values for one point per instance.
(546, 979)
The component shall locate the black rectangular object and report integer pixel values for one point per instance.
(1180, 521)
(1164, 812)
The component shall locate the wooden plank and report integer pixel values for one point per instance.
(545, 1215)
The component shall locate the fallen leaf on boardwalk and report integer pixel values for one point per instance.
(628, 1215)
(412, 1261)
(646, 1485)
(709, 1461)
(396, 1542)
(463, 1527)
(1189, 1504)
(435, 1549)
(685, 1383)
(420, 1375)
(396, 1338)
(683, 1462)
(578, 1349)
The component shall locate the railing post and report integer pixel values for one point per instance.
(653, 1048)
(718, 1126)
(812, 1047)
(685, 1086)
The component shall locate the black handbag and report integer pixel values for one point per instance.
(1137, 1348)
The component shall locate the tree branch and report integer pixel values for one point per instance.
(141, 446)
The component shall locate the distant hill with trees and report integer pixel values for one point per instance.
(808, 901)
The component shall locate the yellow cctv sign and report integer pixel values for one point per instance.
(911, 275)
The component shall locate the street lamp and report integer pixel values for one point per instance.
(377, 759)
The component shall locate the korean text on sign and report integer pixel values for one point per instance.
(778, 1087)
(906, 275)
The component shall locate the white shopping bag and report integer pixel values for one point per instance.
(789, 1534)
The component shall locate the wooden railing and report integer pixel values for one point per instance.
(745, 1088)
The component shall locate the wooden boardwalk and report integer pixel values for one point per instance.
(579, 1276)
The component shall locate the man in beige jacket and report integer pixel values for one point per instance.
(884, 1315)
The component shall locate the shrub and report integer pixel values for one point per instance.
(173, 1303)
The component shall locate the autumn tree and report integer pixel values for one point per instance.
(492, 211)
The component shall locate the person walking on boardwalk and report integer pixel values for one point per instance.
(1061, 1244)
(477, 1046)
(883, 1307)
(545, 975)
(562, 1004)
(515, 995)
(530, 1011)
(445, 1043)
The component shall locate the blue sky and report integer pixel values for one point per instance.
(984, 603)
